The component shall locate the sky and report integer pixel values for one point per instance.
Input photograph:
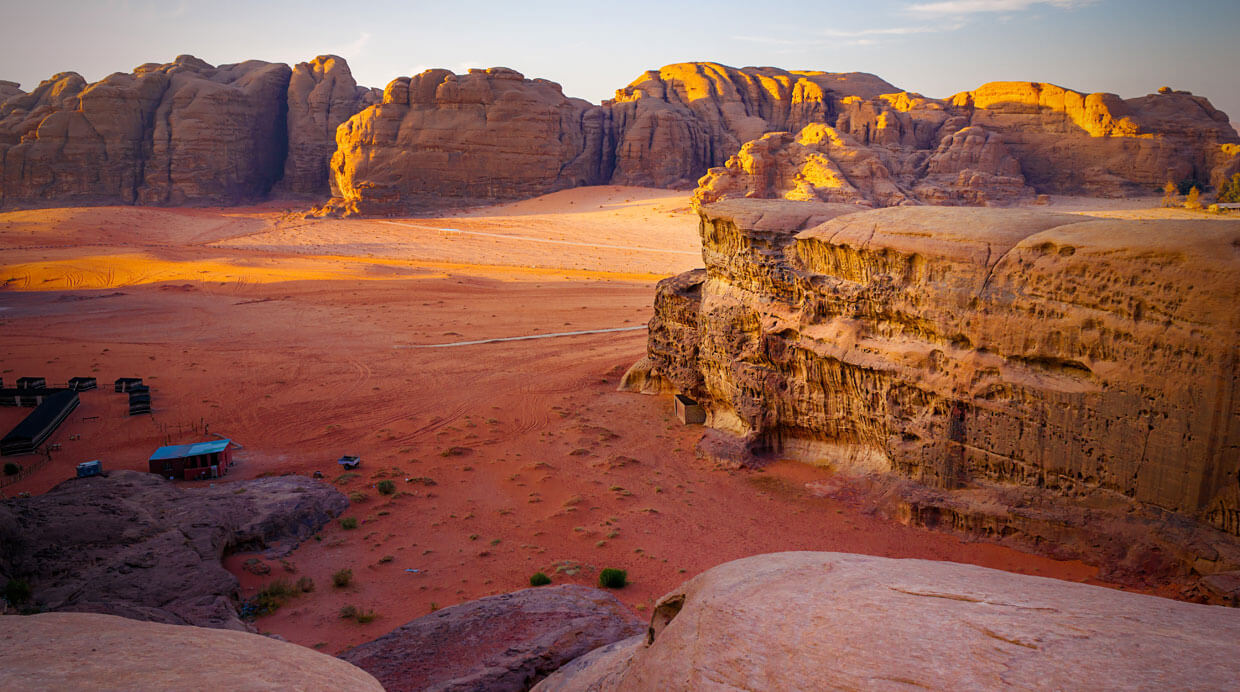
(933, 47)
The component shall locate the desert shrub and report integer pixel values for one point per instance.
(1230, 191)
(349, 611)
(12, 469)
(613, 578)
(365, 617)
(346, 477)
(273, 595)
(385, 487)
(539, 579)
(17, 591)
(342, 578)
(348, 523)
(386, 559)
(305, 585)
(1193, 200)
(357, 496)
(1170, 192)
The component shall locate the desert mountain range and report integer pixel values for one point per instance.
(187, 132)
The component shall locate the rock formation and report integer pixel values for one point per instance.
(321, 95)
(82, 651)
(488, 134)
(505, 642)
(184, 132)
(956, 347)
(135, 545)
(817, 621)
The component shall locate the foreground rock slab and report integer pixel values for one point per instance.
(504, 642)
(85, 651)
(813, 621)
(135, 545)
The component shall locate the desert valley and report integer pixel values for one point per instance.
(974, 359)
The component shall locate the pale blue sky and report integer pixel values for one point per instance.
(936, 47)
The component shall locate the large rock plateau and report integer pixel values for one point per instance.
(958, 347)
(86, 651)
(825, 621)
(135, 545)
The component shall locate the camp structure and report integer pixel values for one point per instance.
(193, 461)
(40, 424)
(349, 461)
(123, 384)
(689, 411)
(81, 384)
(32, 383)
(139, 402)
(86, 469)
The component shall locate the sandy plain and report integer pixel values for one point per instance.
(303, 340)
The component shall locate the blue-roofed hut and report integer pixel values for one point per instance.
(193, 461)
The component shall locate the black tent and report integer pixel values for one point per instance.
(32, 383)
(81, 384)
(124, 383)
(40, 424)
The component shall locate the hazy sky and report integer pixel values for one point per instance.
(937, 48)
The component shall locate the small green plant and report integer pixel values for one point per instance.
(1230, 191)
(12, 469)
(275, 594)
(357, 496)
(17, 591)
(539, 579)
(348, 523)
(342, 578)
(366, 616)
(611, 578)
(348, 612)
(305, 585)
(385, 487)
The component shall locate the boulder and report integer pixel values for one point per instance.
(135, 545)
(814, 621)
(322, 94)
(505, 642)
(86, 651)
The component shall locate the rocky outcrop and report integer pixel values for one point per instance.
(81, 651)
(957, 347)
(184, 132)
(505, 642)
(321, 95)
(489, 134)
(135, 545)
(816, 621)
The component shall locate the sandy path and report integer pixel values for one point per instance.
(509, 455)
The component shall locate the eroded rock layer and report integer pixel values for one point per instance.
(957, 345)
(825, 621)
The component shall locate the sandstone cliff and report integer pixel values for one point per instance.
(80, 651)
(824, 621)
(957, 346)
(184, 132)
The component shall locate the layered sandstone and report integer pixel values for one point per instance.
(135, 545)
(183, 132)
(83, 651)
(817, 621)
(488, 134)
(956, 347)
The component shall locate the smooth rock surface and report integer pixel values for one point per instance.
(817, 621)
(86, 651)
(135, 545)
(505, 642)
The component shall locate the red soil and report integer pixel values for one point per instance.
(285, 336)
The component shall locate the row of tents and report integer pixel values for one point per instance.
(53, 404)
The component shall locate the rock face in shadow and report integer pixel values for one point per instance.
(961, 346)
(83, 651)
(321, 95)
(184, 132)
(816, 621)
(135, 545)
(505, 642)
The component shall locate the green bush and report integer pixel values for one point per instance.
(365, 617)
(357, 496)
(349, 611)
(305, 584)
(342, 578)
(385, 487)
(348, 523)
(17, 591)
(273, 595)
(613, 578)
(12, 469)
(539, 579)
(1230, 193)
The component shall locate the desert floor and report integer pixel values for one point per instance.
(306, 339)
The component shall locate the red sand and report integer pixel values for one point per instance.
(282, 334)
